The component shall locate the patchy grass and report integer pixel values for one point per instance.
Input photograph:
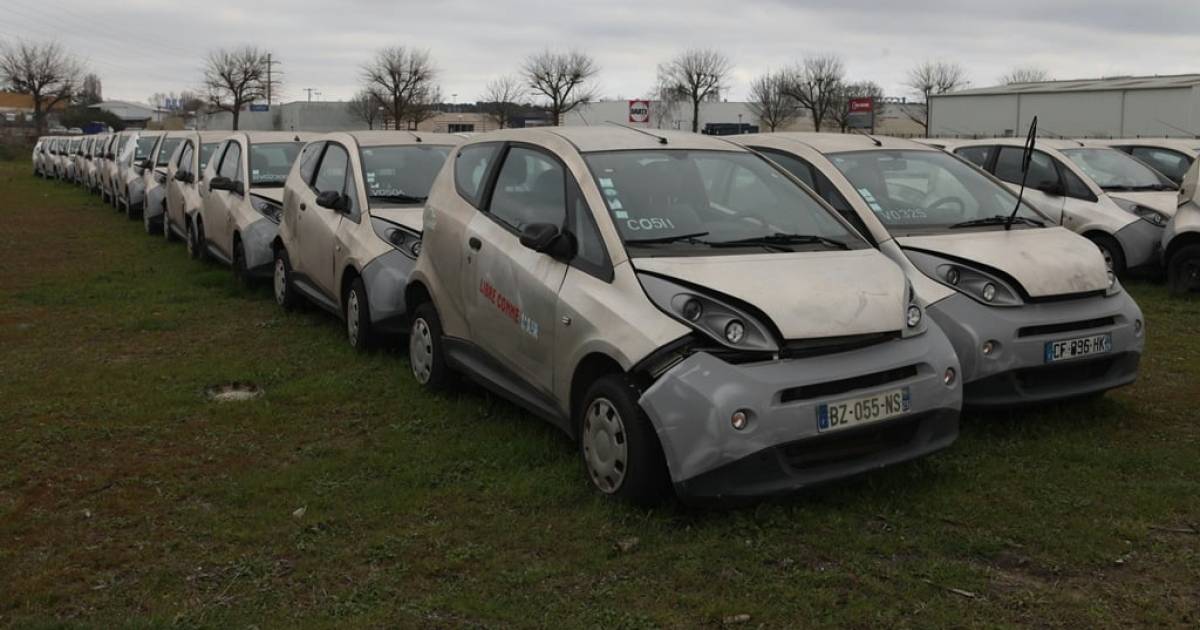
(128, 499)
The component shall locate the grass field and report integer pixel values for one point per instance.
(348, 496)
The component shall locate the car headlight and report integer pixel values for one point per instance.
(268, 209)
(729, 325)
(979, 285)
(403, 239)
(1142, 212)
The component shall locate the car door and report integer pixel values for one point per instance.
(218, 207)
(1044, 186)
(179, 167)
(318, 226)
(512, 290)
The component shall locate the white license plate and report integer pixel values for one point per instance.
(844, 414)
(1068, 349)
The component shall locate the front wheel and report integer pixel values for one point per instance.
(1114, 256)
(426, 356)
(239, 264)
(358, 317)
(195, 240)
(285, 295)
(1183, 270)
(619, 447)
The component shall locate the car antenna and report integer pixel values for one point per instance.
(415, 136)
(877, 141)
(1026, 158)
(661, 139)
(296, 138)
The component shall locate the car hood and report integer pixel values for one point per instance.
(806, 294)
(274, 194)
(1165, 201)
(1046, 262)
(407, 216)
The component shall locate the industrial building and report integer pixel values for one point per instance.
(1117, 107)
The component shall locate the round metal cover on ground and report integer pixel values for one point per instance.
(233, 392)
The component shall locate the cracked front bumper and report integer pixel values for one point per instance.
(385, 279)
(781, 449)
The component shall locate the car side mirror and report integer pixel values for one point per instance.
(239, 188)
(333, 201)
(547, 239)
(220, 183)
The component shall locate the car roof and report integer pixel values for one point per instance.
(394, 138)
(1057, 144)
(1179, 144)
(611, 138)
(277, 136)
(837, 142)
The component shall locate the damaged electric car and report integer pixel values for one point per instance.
(1032, 310)
(680, 306)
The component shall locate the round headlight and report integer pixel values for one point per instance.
(415, 248)
(953, 276)
(1112, 278)
(735, 331)
(692, 310)
(989, 292)
(913, 316)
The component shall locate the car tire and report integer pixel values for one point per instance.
(130, 213)
(198, 249)
(618, 445)
(239, 263)
(357, 312)
(1183, 270)
(166, 228)
(148, 224)
(1114, 256)
(426, 354)
(285, 295)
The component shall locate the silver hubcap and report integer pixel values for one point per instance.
(352, 317)
(605, 449)
(280, 281)
(420, 350)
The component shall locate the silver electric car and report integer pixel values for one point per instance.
(351, 227)
(185, 176)
(680, 306)
(131, 187)
(154, 179)
(1181, 239)
(1031, 309)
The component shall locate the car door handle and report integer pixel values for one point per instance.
(474, 243)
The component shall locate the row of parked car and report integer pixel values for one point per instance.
(718, 317)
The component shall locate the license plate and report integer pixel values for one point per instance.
(1079, 347)
(844, 414)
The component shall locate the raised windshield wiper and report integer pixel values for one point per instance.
(399, 198)
(998, 219)
(693, 238)
(779, 238)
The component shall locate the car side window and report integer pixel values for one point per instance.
(1042, 173)
(470, 168)
(590, 254)
(308, 160)
(977, 155)
(331, 174)
(531, 188)
(816, 180)
(1170, 163)
(185, 158)
(231, 162)
(1074, 187)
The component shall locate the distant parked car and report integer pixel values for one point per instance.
(242, 200)
(1170, 156)
(112, 170)
(185, 175)
(1181, 240)
(351, 227)
(131, 188)
(154, 179)
(1116, 201)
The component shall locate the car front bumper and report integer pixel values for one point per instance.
(781, 449)
(1141, 242)
(1016, 371)
(385, 279)
(256, 243)
(155, 197)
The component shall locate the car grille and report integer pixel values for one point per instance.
(805, 348)
(833, 388)
(1050, 329)
(850, 445)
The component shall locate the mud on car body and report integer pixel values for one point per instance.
(351, 227)
(1032, 311)
(241, 200)
(1115, 201)
(681, 307)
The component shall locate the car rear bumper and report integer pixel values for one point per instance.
(782, 449)
(1016, 371)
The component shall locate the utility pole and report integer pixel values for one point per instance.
(310, 93)
(270, 78)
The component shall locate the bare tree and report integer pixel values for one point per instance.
(770, 103)
(234, 78)
(501, 96)
(859, 89)
(365, 107)
(562, 78)
(816, 83)
(930, 79)
(90, 90)
(402, 80)
(697, 75)
(1025, 74)
(46, 72)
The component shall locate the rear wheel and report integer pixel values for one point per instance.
(285, 295)
(1114, 256)
(1183, 270)
(239, 263)
(196, 244)
(619, 447)
(358, 317)
(425, 354)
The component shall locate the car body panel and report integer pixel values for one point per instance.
(183, 197)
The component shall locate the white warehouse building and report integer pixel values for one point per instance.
(1118, 107)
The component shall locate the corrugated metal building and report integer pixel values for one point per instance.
(1118, 107)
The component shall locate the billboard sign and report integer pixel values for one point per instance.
(260, 107)
(639, 111)
(862, 113)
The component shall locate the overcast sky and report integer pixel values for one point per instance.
(139, 47)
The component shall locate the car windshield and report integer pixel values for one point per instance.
(913, 190)
(1114, 170)
(680, 202)
(401, 174)
(206, 151)
(144, 145)
(270, 162)
(167, 148)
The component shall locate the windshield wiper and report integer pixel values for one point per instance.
(1154, 187)
(998, 219)
(693, 238)
(399, 198)
(779, 238)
